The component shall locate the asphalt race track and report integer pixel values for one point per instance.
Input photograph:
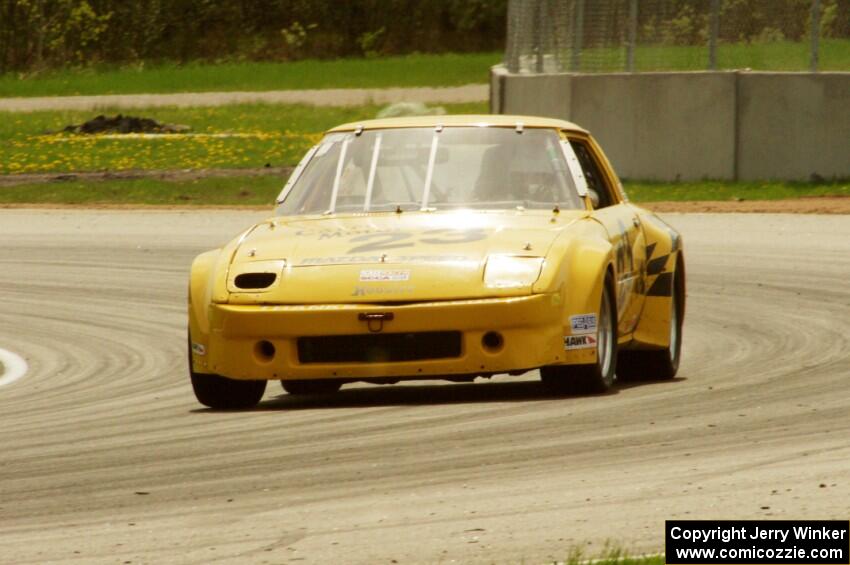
(105, 456)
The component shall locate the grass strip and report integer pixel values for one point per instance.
(262, 190)
(450, 69)
(272, 134)
(758, 56)
(230, 191)
(610, 555)
(643, 191)
(405, 71)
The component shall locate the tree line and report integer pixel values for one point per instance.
(39, 34)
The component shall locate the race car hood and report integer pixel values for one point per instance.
(410, 256)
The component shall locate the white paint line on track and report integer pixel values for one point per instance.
(14, 365)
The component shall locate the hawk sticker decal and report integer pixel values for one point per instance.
(579, 342)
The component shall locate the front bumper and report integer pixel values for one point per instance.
(532, 329)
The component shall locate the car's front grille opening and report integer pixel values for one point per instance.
(379, 347)
(250, 281)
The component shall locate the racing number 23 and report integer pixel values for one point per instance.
(397, 239)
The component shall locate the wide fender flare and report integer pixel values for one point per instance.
(665, 282)
(208, 278)
(576, 269)
(653, 329)
(202, 284)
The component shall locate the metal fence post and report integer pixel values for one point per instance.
(713, 32)
(815, 35)
(538, 34)
(633, 24)
(512, 49)
(578, 32)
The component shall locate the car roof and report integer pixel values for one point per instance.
(494, 120)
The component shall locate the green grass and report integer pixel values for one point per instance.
(653, 560)
(834, 55)
(231, 191)
(609, 555)
(261, 191)
(772, 56)
(275, 134)
(641, 191)
(412, 70)
(775, 56)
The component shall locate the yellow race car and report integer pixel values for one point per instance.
(440, 247)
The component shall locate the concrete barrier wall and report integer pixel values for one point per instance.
(793, 125)
(688, 126)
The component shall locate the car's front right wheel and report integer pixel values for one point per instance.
(222, 393)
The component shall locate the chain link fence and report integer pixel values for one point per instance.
(590, 36)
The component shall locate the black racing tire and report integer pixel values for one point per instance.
(597, 377)
(222, 393)
(657, 364)
(318, 386)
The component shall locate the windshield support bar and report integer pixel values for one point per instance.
(338, 176)
(296, 174)
(432, 157)
(371, 182)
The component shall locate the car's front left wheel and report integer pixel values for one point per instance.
(595, 377)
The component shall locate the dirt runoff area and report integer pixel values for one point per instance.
(804, 205)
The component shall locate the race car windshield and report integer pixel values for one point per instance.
(431, 169)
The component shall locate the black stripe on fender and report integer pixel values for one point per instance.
(663, 285)
(649, 249)
(656, 265)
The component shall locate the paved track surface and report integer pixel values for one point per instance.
(106, 458)
(322, 97)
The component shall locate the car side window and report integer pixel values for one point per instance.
(593, 174)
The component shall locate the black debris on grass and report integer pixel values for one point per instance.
(125, 124)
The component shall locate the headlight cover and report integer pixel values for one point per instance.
(510, 271)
